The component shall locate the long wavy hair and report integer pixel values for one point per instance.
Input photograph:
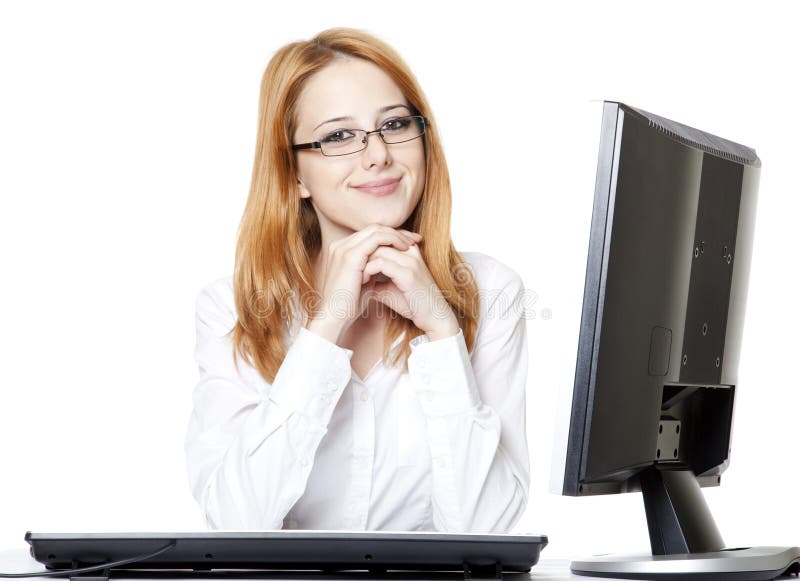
(279, 232)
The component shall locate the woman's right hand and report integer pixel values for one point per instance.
(342, 298)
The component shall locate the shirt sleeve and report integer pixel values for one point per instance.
(474, 408)
(250, 445)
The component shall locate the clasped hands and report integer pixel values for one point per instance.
(384, 264)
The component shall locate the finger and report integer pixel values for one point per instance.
(356, 238)
(390, 238)
(390, 295)
(376, 278)
(371, 231)
(397, 272)
(374, 268)
(409, 235)
(414, 251)
(416, 235)
(401, 257)
(412, 237)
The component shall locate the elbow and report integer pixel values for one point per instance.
(504, 517)
(490, 516)
(223, 508)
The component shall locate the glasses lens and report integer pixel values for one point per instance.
(342, 142)
(402, 129)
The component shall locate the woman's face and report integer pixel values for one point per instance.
(357, 89)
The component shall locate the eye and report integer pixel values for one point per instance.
(338, 136)
(396, 124)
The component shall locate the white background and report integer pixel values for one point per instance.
(126, 146)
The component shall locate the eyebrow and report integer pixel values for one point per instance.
(348, 118)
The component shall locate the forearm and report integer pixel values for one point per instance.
(476, 487)
(250, 453)
(263, 472)
(479, 485)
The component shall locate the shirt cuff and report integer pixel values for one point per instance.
(312, 377)
(442, 376)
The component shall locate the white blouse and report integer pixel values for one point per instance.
(442, 447)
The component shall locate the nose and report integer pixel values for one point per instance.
(378, 153)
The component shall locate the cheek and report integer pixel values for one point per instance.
(322, 176)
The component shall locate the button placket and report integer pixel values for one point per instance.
(362, 458)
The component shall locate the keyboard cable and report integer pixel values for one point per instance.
(62, 572)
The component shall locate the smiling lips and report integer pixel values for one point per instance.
(379, 187)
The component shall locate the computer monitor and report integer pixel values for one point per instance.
(660, 335)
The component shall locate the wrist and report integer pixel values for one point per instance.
(330, 330)
(449, 329)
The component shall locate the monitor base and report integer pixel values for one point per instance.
(751, 564)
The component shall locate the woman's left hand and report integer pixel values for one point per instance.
(410, 290)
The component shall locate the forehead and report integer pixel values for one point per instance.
(346, 87)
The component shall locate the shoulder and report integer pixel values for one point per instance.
(215, 305)
(502, 294)
(491, 274)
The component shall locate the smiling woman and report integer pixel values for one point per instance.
(356, 371)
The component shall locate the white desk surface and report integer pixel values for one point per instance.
(21, 561)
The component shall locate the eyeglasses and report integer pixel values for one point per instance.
(347, 141)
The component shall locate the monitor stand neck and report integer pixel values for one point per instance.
(685, 541)
(678, 517)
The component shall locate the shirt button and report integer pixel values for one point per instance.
(429, 396)
(426, 379)
(325, 398)
(304, 462)
(332, 385)
(440, 462)
(421, 364)
(364, 395)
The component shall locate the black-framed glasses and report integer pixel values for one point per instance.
(347, 141)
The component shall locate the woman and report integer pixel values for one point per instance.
(356, 371)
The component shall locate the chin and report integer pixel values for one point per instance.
(391, 220)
